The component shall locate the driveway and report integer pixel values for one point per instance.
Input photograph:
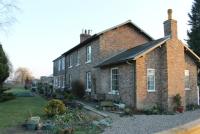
(148, 124)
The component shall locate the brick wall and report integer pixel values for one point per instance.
(120, 39)
(175, 67)
(191, 95)
(126, 83)
(156, 59)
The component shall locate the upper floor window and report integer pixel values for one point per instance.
(77, 58)
(151, 80)
(88, 81)
(114, 79)
(63, 63)
(59, 65)
(70, 60)
(88, 54)
(187, 80)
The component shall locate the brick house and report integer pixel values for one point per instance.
(124, 63)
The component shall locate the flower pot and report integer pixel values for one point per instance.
(180, 109)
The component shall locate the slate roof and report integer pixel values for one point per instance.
(133, 53)
(95, 36)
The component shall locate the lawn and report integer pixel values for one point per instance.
(14, 112)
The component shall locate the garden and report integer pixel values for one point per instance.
(28, 112)
(63, 112)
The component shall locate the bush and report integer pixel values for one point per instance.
(78, 89)
(6, 97)
(154, 110)
(55, 107)
(177, 101)
(40, 88)
(191, 107)
(69, 96)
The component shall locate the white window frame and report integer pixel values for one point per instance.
(59, 82)
(70, 61)
(114, 92)
(59, 65)
(63, 81)
(88, 79)
(187, 72)
(88, 54)
(63, 63)
(151, 69)
(77, 58)
(55, 81)
(197, 94)
(70, 81)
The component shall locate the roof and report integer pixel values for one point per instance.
(134, 53)
(95, 36)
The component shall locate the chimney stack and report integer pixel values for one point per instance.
(85, 35)
(170, 26)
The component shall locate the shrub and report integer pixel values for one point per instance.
(6, 96)
(177, 101)
(40, 88)
(191, 107)
(55, 107)
(154, 110)
(69, 96)
(78, 89)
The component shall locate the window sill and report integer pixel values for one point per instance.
(113, 92)
(188, 89)
(87, 62)
(151, 91)
(77, 65)
(88, 90)
(70, 67)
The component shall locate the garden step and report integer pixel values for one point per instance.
(92, 109)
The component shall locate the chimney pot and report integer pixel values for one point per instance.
(170, 26)
(169, 14)
(85, 35)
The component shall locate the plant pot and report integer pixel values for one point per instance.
(31, 126)
(180, 109)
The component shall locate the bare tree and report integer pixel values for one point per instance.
(22, 74)
(7, 10)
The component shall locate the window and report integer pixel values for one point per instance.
(55, 81)
(151, 80)
(114, 79)
(77, 58)
(187, 80)
(88, 81)
(59, 65)
(63, 82)
(59, 82)
(70, 81)
(70, 61)
(63, 63)
(88, 54)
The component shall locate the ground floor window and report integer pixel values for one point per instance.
(114, 79)
(55, 81)
(88, 81)
(70, 81)
(63, 81)
(151, 80)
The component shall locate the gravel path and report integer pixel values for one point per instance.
(148, 124)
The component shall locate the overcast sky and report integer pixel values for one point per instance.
(47, 28)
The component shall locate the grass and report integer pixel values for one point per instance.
(14, 112)
(18, 91)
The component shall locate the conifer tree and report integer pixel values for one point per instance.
(194, 33)
(4, 67)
